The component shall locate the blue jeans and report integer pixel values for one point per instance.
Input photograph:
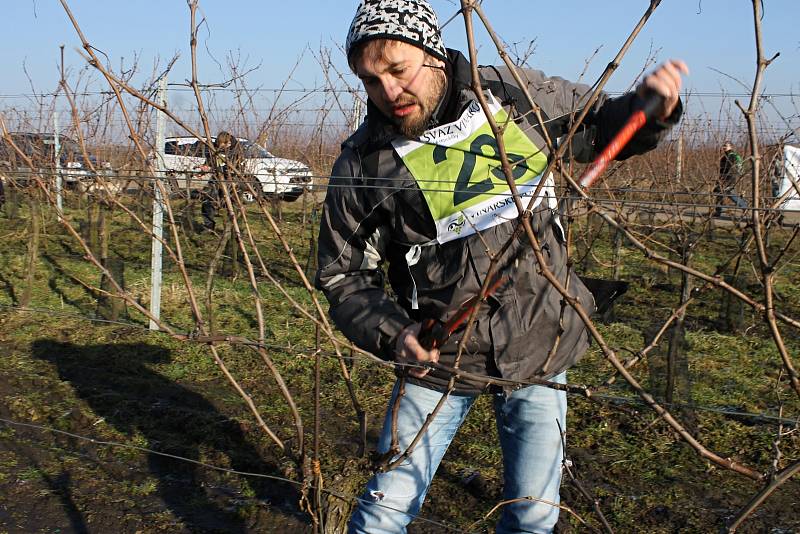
(729, 193)
(529, 439)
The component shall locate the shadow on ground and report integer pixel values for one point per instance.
(119, 385)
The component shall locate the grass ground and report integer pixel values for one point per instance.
(86, 404)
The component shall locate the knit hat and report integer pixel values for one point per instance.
(411, 21)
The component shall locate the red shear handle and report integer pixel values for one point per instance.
(649, 106)
(433, 334)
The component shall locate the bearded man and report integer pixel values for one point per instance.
(417, 195)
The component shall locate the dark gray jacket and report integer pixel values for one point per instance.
(374, 213)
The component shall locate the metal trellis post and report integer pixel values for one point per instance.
(57, 163)
(158, 211)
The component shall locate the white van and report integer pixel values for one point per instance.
(185, 160)
(790, 173)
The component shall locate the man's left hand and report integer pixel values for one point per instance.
(665, 81)
(409, 351)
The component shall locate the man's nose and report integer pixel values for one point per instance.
(391, 88)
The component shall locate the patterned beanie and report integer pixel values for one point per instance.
(411, 21)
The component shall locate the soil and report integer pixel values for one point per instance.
(57, 393)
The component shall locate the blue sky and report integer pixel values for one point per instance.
(715, 37)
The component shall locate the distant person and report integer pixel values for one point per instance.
(222, 161)
(731, 168)
(776, 174)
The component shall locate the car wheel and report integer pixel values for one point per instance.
(291, 196)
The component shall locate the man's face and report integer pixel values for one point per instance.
(402, 84)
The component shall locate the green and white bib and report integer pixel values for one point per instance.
(457, 166)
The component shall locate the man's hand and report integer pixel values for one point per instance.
(665, 81)
(408, 350)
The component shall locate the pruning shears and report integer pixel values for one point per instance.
(647, 108)
(433, 334)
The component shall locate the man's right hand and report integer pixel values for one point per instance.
(408, 350)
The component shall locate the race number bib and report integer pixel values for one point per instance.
(457, 166)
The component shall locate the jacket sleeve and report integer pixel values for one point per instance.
(351, 251)
(612, 113)
(562, 100)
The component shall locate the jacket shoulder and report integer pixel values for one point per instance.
(348, 163)
(554, 95)
(357, 140)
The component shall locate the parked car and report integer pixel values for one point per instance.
(74, 167)
(185, 160)
(788, 174)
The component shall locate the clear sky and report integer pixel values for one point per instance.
(715, 37)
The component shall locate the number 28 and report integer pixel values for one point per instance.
(465, 191)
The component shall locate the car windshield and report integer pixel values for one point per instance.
(252, 150)
(35, 146)
(69, 148)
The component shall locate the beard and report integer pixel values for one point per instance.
(415, 124)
